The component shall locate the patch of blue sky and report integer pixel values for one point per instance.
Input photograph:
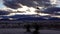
(1, 4)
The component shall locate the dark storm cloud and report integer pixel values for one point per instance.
(11, 4)
(52, 10)
(30, 3)
(3, 12)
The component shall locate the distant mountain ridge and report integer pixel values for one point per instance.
(28, 17)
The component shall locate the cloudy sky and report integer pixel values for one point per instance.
(57, 1)
(29, 8)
